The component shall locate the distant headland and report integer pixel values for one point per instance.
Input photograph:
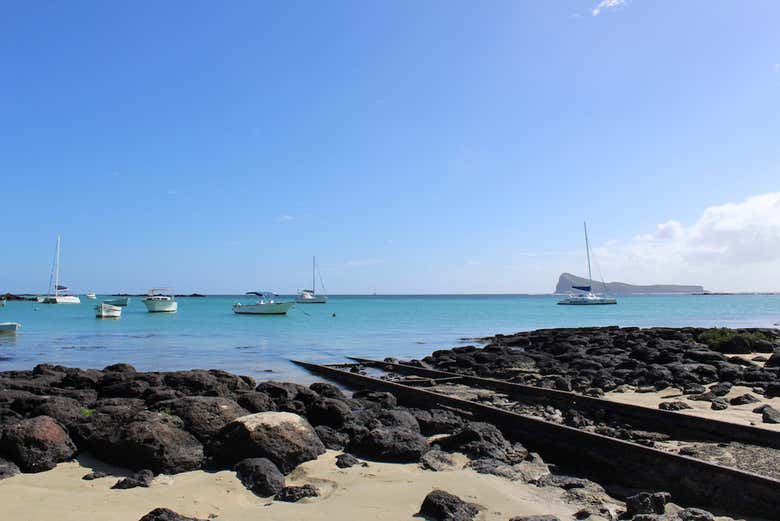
(567, 280)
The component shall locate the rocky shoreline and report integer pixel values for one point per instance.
(598, 360)
(175, 422)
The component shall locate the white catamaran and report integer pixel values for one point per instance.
(309, 296)
(58, 294)
(584, 295)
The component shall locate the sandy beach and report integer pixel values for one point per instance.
(741, 414)
(381, 491)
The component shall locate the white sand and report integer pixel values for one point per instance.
(741, 414)
(380, 491)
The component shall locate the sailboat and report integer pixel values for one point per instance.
(309, 296)
(58, 293)
(584, 295)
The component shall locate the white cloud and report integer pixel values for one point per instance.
(734, 247)
(472, 262)
(285, 218)
(606, 4)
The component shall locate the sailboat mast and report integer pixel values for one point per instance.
(587, 252)
(313, 262)
(57, 268)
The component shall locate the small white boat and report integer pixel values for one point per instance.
(2, 302)
(107, 311)
(159, 302)
(9, 328)
(60, 293)
(585, 295)
(309, 296)
(91, 296)
(265, 306)
(120, 301)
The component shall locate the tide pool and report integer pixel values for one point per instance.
(205, 333)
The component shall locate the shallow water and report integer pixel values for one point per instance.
(205, 333)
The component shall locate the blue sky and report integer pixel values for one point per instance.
(419, 147)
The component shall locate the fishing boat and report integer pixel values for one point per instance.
(160, 300)
(58, 293)
(107, 311)
(9, 328)
(583, 295)
(265, 306)
(120, 301)
(309, 296)
(91, 296)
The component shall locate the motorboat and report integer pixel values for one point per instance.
(583, 295)
(91, 296)
(107, 311)
(160, 300)
(266, 305)
(9, 328)
(120, 301)
(309, 296)
(58, 293)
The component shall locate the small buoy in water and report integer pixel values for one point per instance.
(333, 315)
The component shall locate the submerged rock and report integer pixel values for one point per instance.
(443, 506)
(285, 438)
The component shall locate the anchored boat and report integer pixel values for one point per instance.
(9, 328)
(107, 311)
(91, 296)
(58, 294)
(265, 306)
(309, 296)
(583, 295)
(160, 300)
(121, 301)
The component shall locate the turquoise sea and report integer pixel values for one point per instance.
(205, 333)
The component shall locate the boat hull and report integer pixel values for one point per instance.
(161, 306)
(121, 301)
(316, 299)
(107, 311)
(592, 302)
(60, 299)
(273, 308)
(9, 328)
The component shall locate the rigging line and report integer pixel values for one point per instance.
(319, 273)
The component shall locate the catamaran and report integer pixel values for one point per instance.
(265, 306)
(160, 300)
(309, 296)
(584, 295)
(59, 295)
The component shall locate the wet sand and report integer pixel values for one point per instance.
(381, 491)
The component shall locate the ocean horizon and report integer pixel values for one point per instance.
(205, 333)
